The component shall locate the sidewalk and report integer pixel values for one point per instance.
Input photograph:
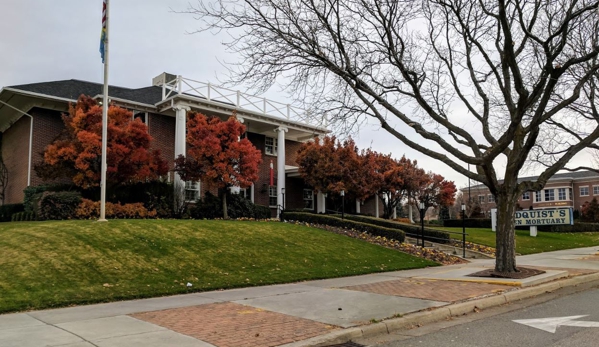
(301, 314)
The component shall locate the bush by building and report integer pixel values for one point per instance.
(7, 211)
(468, 222)
(58, 205)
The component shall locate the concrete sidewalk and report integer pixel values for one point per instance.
(302, 314)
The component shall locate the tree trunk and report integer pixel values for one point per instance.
(224, 199)
(505, 254)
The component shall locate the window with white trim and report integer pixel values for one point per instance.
(481, 199)
(143, 116)
(272, 196)
(246, 192)
(308, 199)
(549, 194)
(584, 191)
(595, 190)
(526, 196)
(270, 146)
(538, 196)
(192, 190)
(491, 198)
(561, 194)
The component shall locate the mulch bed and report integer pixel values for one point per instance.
(417, 251)
(474, 247)
(522, 272)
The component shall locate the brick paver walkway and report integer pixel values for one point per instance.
(235, 325)
(438, 290)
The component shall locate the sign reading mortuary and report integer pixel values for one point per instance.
(545, 217)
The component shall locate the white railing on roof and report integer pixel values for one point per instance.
(177, 85)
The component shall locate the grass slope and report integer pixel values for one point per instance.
(50, 264)
(526, 244)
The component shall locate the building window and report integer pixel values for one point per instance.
(272, 196)
(584, 191)
(561, 194)
(526, 196)
(270, 146)
(308, 199)
(192, 191)
(549, 194)
(595, 190)
(538, 196)
(491, 198)
(481, 199)
(141, 115)
(246, 193)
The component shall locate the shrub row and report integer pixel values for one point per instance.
(578, 227)
(469, 223)
(237, 207)
(6, 211)
(88, 209)
(410, 230)
(23, 216)
(371, 229)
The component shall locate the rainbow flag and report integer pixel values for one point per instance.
(103, 36)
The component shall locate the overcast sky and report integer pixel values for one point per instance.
(59, 39)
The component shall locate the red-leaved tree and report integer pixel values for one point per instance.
(437, 192)
(76, 153)
(217, 156)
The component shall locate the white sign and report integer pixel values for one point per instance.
(544, 217)
(551, 324)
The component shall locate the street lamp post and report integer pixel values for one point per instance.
(463, 230)
(422, 222)
(342, 204)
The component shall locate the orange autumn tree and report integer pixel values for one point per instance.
(217, 155)
(437, 192)
(76, 153)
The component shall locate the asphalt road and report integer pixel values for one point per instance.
(498, 329)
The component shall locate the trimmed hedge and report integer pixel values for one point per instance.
(6, 211)
(371, 229)
(23, 217)
(34, 193)
(469, 223)
(211, 207)
(58, 205)
(578, 227)
(262, 212)
(410, 230)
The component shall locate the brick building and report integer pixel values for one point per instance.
(570, 189)
(30, 119)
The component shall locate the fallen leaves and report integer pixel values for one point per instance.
(426, 253)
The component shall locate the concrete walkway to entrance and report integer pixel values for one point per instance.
(314, 313)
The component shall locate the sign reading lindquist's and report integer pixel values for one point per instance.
(545, 217)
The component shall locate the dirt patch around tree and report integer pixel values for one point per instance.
(521, 273)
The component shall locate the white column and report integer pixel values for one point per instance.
(395, 213)
(357, 205)
(410, 212)
(320, 202)
(376, 206)
(252, 193)
(180, 149)
(280, 166)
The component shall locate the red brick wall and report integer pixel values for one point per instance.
(294, 186)
(15, 152)
(47, 126)
(162, 130)
(369, 207)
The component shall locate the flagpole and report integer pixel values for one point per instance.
(104, 121)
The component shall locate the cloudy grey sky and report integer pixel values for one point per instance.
(45, 40)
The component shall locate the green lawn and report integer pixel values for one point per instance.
(50, 264)
(525, 244)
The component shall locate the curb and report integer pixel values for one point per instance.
(440, 313)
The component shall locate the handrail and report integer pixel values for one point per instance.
(239, 100)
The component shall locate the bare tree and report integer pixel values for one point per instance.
(496, 84)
